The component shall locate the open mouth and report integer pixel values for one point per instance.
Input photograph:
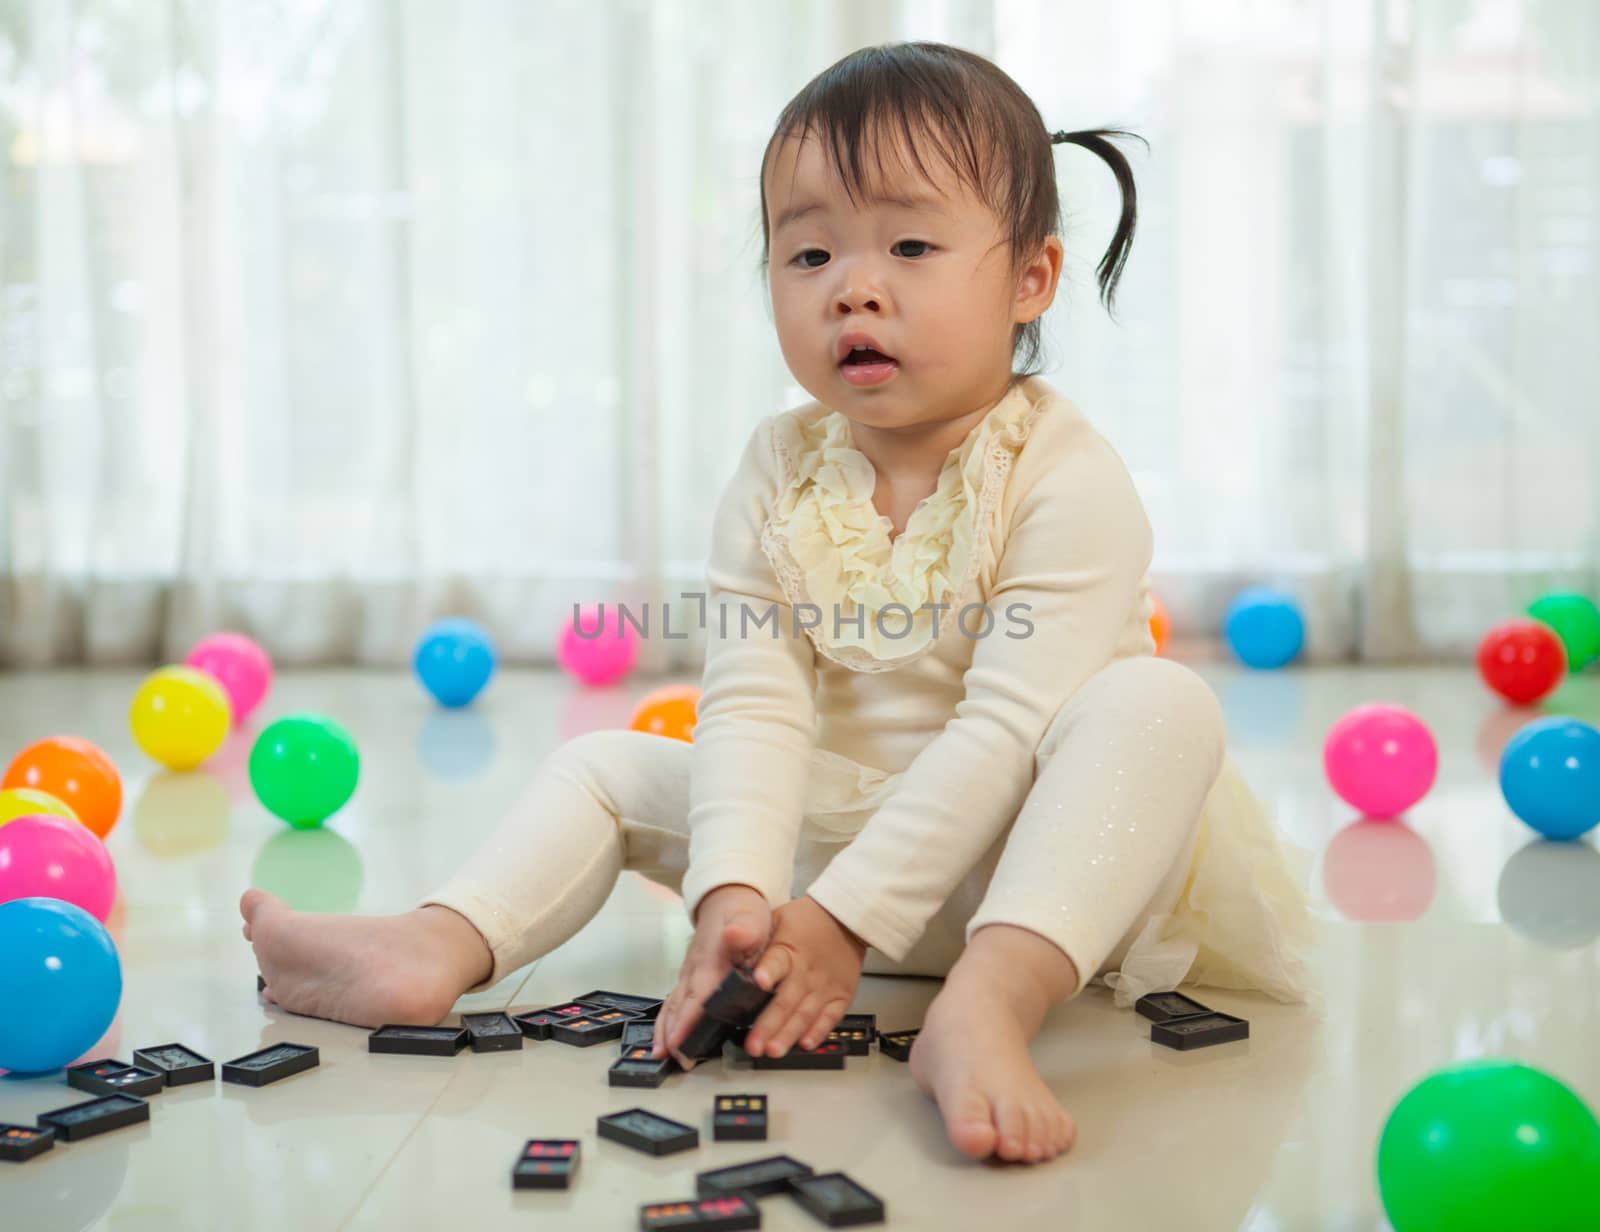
(866, 366)
(866, 355)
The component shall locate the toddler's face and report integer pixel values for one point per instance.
(926, 277)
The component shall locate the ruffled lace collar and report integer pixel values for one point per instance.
(832, 549)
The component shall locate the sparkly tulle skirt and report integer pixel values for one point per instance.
(1241, 920)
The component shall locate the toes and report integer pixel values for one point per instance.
(1012, 1123)
(1033, 1133)
(251, 904)
(1038, 1142)
(970, 1123)
(1058, 1131)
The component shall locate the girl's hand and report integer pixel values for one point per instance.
(815, 964)
(732, 925)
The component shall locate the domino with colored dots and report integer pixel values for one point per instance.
(20, 1143)
(726, 1213)
(896, 1045)
(637, 1068)
(546, 1163)
(594, 1027)
(111, 1077)
(739, 1118)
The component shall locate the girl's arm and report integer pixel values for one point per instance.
(756, 720)
(1077, 554)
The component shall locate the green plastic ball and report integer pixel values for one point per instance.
(1576, 620)
(1490, 1144)
(303, 768)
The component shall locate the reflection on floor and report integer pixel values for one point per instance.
(1451, 935)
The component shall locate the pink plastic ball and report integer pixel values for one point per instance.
(606, 649)
(1381, 759)
(43, 856)
(239, 665)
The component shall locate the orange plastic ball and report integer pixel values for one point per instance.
(74, 772)
(668, 711)
(1160, 624)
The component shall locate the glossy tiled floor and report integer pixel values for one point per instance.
(1454, 936)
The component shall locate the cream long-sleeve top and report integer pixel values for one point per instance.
(839, 658)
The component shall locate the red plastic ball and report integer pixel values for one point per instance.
(1522, 660)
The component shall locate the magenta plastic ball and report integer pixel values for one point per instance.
(239, 665)
(1381, 759)
(44, 856)
(599, 647)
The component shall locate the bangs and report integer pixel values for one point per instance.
(885, 112)
(874, 153)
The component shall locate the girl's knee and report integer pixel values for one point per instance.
(608, 745)
(1178, 694)
(609, 754)
(1164, 702)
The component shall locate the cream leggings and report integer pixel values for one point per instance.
(1102, 842)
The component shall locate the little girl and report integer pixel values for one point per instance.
(933, 737)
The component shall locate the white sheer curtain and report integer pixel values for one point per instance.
(321, 318)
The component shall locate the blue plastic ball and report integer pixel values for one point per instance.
(454, 660)
(1550, 776)
(1264, 627)
(60, 983)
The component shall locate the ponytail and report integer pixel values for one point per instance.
(1097, 141)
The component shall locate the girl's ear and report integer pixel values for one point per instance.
(1036, 284)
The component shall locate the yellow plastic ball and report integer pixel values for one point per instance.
(180, 717)
(26, 801)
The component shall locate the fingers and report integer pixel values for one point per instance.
(789, 995)
(794, 986)
(682, 1010)
(826, 1020)
(664, 1020)
(774, 967)
(670, 1033)
(744, 933)
(804, 1015)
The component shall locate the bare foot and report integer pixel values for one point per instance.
(972, 1057)
(364, 970)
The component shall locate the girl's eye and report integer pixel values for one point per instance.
(805, 262)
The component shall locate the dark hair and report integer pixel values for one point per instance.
(981, 123)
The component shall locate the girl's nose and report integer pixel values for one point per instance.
(862, 300)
